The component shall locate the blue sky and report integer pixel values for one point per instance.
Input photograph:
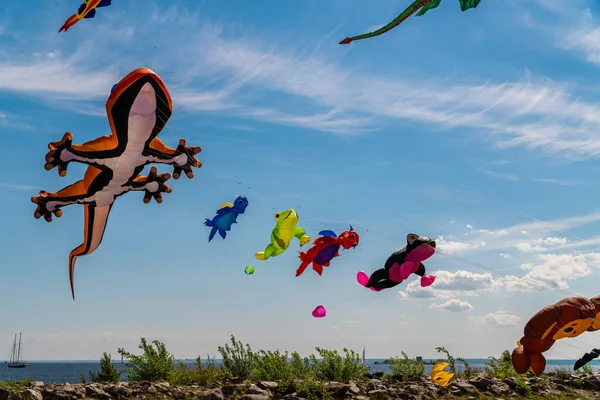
(480, 129)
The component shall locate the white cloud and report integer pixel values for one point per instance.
(451, 284)
(513, 236)
(506, 255)
(542, 244)
(451, 246)
(454, 305)
(555, 269)
(497, 319)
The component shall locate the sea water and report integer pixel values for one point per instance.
(71, 371)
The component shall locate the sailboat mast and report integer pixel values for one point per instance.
(363, 358)
(14, 348)
(19, 353)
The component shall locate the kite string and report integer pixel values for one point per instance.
(395, 239)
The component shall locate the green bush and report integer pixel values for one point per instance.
(201, 375)
(500, 368)
(271, 366)
(108, 373)
(154, 364)
(406, 366)
(16, 383)
(300, 367)
(334, 367)
(452, 361)
(522, 387)
(313, 389)
(239, 361)
(586, 369)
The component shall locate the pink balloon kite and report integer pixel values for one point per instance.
(319, 312)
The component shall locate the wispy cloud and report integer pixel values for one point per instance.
(524, 236)
(508, 177)
(560, 182)
(454, 305)
(497, 319)
(216, 71)
(572, 26)
(18, 186)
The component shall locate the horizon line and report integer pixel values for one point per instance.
(117, 361)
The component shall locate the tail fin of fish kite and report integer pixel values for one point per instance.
(305, 262)
(213, 231)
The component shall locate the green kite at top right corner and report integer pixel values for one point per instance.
(423, 5)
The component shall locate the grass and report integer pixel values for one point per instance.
(16, 383)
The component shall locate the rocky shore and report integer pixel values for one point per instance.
(585, 386)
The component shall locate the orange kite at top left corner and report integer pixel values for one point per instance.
(86, 10)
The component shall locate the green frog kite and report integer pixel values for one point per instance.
(283, 233)
(424, 5)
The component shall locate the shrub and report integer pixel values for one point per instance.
(500, 367)
(406, 366)
(452, 361)
(107, 374)
(586, 369)
(239, 361)
(522, 387)
(301, 367)
(16, 383)
(312, 389)
(271, 366)
(562, 372)
(201, 375)
(154, 364)
(334, 367)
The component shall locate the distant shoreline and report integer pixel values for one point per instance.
(469, 360)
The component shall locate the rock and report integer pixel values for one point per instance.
(353, 389)
(272, 386)
(230, 389)
(573, 383)
(481, 383)
(30, 394)
(256, 396)
(50, 394)
(211, 394)
(253, 389)
(465, 387)
(96, 392)
(510, 382)
(37, 384)
(118, 390)
(375, 384)
(4, 394)
(500, 389)
(337, 389)
(378, 392)
(162, 386)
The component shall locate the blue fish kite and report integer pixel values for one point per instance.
(226, 216)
